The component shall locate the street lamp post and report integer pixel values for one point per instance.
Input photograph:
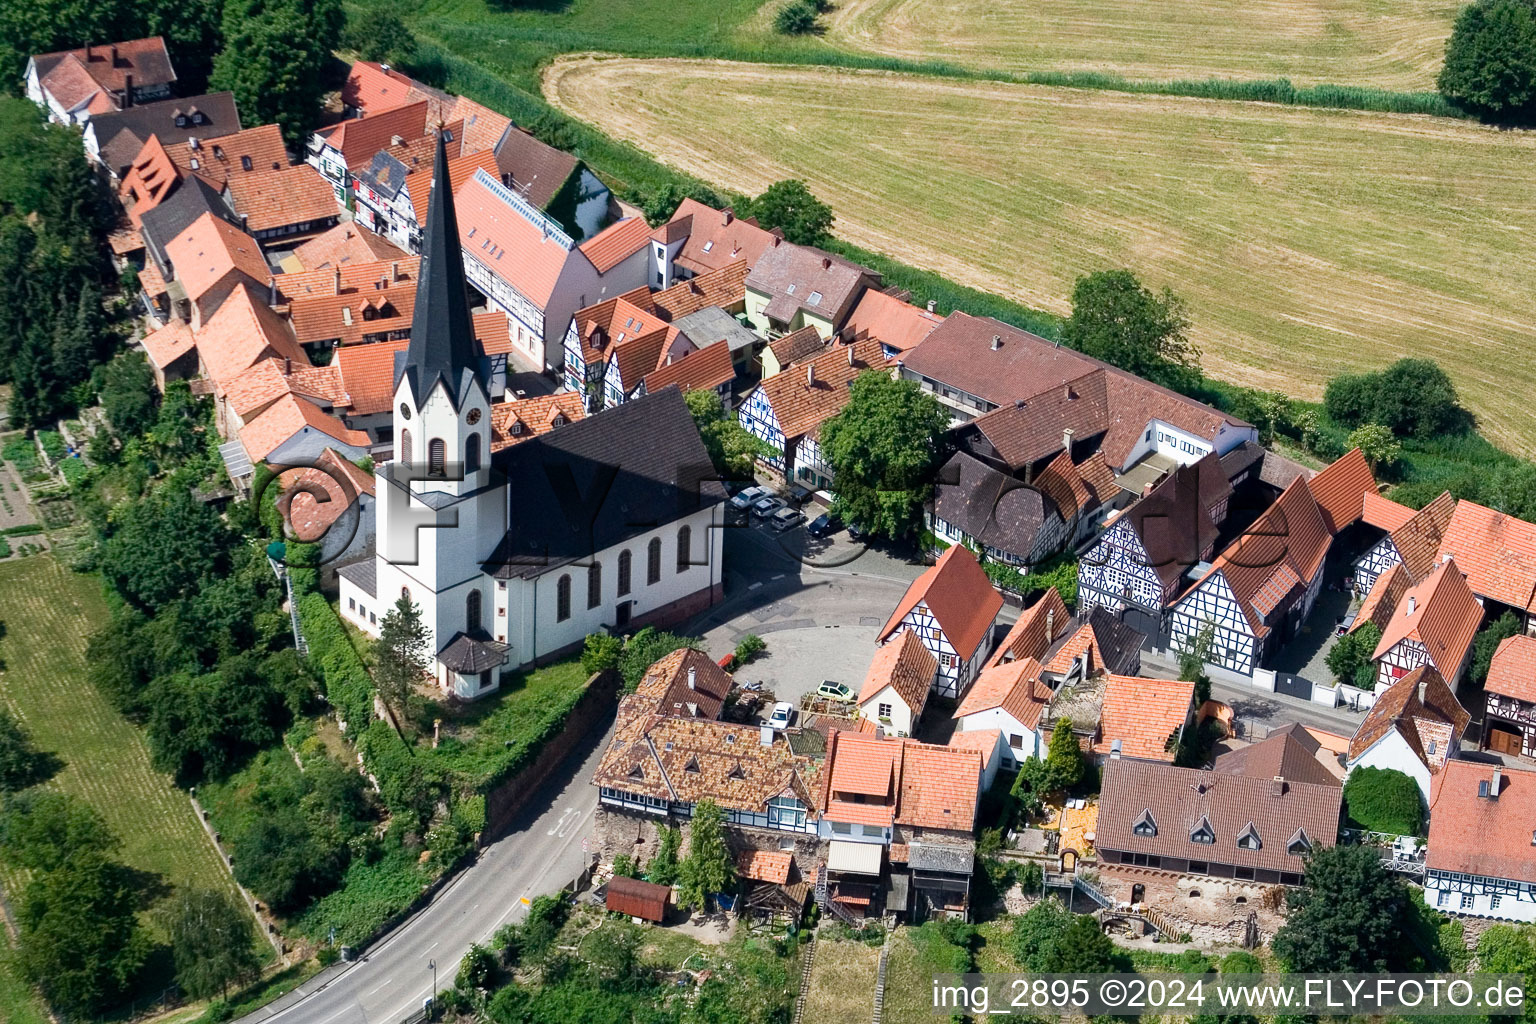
(433, 964)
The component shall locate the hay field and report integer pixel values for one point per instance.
(1306, 242)
(1349, 42)
(842, 982)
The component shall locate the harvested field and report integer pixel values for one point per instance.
(1348, 42)
(842, 982)
(1305, 241)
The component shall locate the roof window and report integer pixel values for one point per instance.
(1145, 825)
(815, 299)
(1202, 832)
(1248, 838)
(709, 245)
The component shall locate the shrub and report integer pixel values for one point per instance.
(1384, 800)
(1412, 397)
(796, 19)
(601, 651)
(1490, 60)
(750, 647)
(1241, 962)
(477, 969)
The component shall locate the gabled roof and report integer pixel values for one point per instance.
(460, 170)
(1418, 540)
(1488, 835)
(1512, 673)
(616, 243)
(525, 418)
(704, 369)
(282, 198)
(603, 324)
(1033, 428)
(343, 244)
(959, 596)
(516, 242)
(797, 345)
(242, 332)
(1496, 551)
(686, 684)
(302, 490)
(1111, 645)
(374, 87)
(1140, 715)
(1174, 523)
(1381, 602)
(109, 66)
(724, 287)
(171, 216)
(361, 307)
(1041, 625)
(208, 249)
(714, 238)
(890, 320)
(1074, 492)
(1384, 513)
(1179, 798)
(368, 375)
(1422, 709)
(812, 392)
(220, 158)
(72, 86)
(149, 180)
(796, 277)
(1340, 489)
(939, 786)
(904, 665)
(1015, 687)
(288, 416)
(1439, 612)
(993, 509)
(169, 343)
(1289, 754)
(539, 171)
(357, 139)
(120, 134)
(632, 359)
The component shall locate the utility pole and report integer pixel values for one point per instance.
(433, 964)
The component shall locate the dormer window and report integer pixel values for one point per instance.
(218, 152)
(198, 118)
(245, 163)
(692, 765)
(1300, 845)
(1248, 838)
(1202, 833)
(1145, 825)
(558, 420)
(637, 772)
(517, 427)
(181, 120)
(736, 772)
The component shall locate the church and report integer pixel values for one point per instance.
(607, 523)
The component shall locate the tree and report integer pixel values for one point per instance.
(81, 942)
(1083, 949)
(1350, 657)
(1510, 488)
(660, 203)
(21, 763)
(477, 969)
(707, 868)
(1116, 319)
(205, 726)
(282, 861)
(1064, 761)
(1192, 661)
(1510, 949)
(42, 828)
(402, 654)
(165, 546)
(127, 389)
(601, 651)
(732, 448)
(1377, 443)
(795, 18)
(662, 868)
(647, 647)
(789, 206)
(1490, 60)
(1346, 916)
(1036, 933)
(380, 34)
(1487, 642)
(274, 60)
(1384, 800)
(211, 942)
(882, 447)
(1412, 397)
(614, 950)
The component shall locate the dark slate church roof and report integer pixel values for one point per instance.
(442, 345)
(594, 483)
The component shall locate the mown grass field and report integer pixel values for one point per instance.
(48, 612)
(1306, 242)
(1355, 42)
(842, 982)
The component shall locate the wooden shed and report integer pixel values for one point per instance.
(634, 898)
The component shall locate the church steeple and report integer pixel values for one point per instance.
(442, 345)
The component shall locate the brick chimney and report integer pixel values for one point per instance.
(810, 375)
(394, 271)
(826, 263)
(1277, 786)
(112, 55)
(931, 305)
(336, 279)
(726, 216)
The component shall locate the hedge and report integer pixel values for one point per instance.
(1384, 800)
(348, 686)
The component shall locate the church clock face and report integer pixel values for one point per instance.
(405, 411)
(473, 417)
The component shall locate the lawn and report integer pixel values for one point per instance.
(1354, 42)
(1305, 241)
(481, 740)
(842, 982)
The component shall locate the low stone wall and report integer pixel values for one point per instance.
(591, 712)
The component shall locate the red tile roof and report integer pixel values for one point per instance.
(1513, 670)
(150, 179)
(765, 865)
(1439, 612)
(616, 243)
(288, 416)
(368, 375)
(358, 139)
(359, 311)
(1033, 428)
(790, 348)
(169, 343)
(220, 159)
(208, 249)
(725, 288)
(110, 65)
(370, 88)
(1418, 540)
(813, 391)
(715, 238)
(701, 370)
(345, 243)
(904, 665)
(494, 332)
(863, 765)
(898, 324)
(1496, 551)
(1142, 714)
(71, 85)
(513, 247)
(1384, 513)
(686, 684)
(242, 332)
(305, 510)
(418, 184)
(1039, 627)
(959, 596)
(1419, 717)
(939, 786)
(1483, 835)
(282, 198)
(1381, 602)
(1014, 686)
(1340, 489)
(532, 417)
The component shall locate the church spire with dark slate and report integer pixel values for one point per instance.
(442, 345)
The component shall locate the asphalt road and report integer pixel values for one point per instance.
(542, 853)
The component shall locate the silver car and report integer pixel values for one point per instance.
(765, 507)
(787, 519)
(744, 500)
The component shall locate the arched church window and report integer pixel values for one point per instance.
(437, 457)
(472, 611)
(563, 598)
(472, 453)
(653, 561)
(594, 584)
(624, 567)
(684, 547)
(403, 456)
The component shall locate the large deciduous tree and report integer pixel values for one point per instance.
(211, 942)
(1347, 915)
(1116, 319)
(274, 60)
(882, 448)
(1410, 397)
(707, 868)
(1490, 60)
(789, 206)
(21, 763)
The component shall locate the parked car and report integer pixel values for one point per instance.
(787, 519)
(1346, 623)
(783, 712)
(762, 508)
(856, 531)
(834, 691)
(744, 500)
(824, 525)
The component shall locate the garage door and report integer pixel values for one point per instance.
(1503, 740)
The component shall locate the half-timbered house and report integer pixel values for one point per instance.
(951, 607)
(1433, 624)
(1412, 543)
(1509, 717)
(1481, 858)
(1497, 552)
(1415, 727)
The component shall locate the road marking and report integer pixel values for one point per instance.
(778, 577)
(429, 949)
(754, 586)
(386, 984)
(562, 826)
